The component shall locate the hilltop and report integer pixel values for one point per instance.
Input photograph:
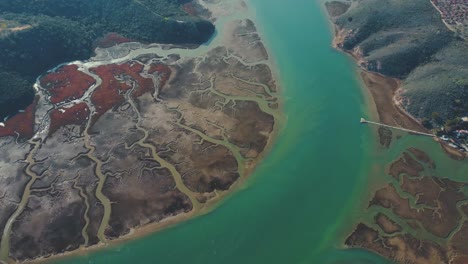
(408, 40)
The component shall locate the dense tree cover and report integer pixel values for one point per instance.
(65, 30)
(144, 20)
(395, 36)
(16, 93)
(49, 42)
(408, 40)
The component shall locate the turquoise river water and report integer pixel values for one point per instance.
(309, 191)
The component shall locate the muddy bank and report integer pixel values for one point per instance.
(415, 218)
(387, 93)
(151, 137)
(384, 91)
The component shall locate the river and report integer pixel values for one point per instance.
(308, 193)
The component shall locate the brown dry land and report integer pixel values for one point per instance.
(383, 90)
(452, 153)
(417, 219)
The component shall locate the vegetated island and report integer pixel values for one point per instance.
(414, 66)
(135, 138)
(38, 35)
(418, 216)
(415, 69)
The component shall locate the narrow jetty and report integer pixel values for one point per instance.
(364, 121)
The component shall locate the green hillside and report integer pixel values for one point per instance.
(408, 40)
(65, 30)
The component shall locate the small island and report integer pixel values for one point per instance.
(414, 67)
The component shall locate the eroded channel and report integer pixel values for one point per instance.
(150, 132)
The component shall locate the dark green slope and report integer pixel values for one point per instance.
(408, 40)
(66, 30)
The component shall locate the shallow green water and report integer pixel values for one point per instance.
(308, 192)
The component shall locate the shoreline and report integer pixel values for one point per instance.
(383, 92)
(172, 221)
(382, 96)
(219, 196)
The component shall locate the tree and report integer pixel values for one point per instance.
(436, 118)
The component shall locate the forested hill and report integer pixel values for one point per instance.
(408, 40)
(37, 35)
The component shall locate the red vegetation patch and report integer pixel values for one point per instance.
(109, 94)
(75, 115)
(21, 123)
(67, 83)
(164, 72)
(112, 39)
(145, 85)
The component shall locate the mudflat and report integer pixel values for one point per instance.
(137, 136)
(383, 90)
(417, 218)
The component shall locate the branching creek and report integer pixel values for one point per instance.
(5, 245)
(142, 142)
(127, 53)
